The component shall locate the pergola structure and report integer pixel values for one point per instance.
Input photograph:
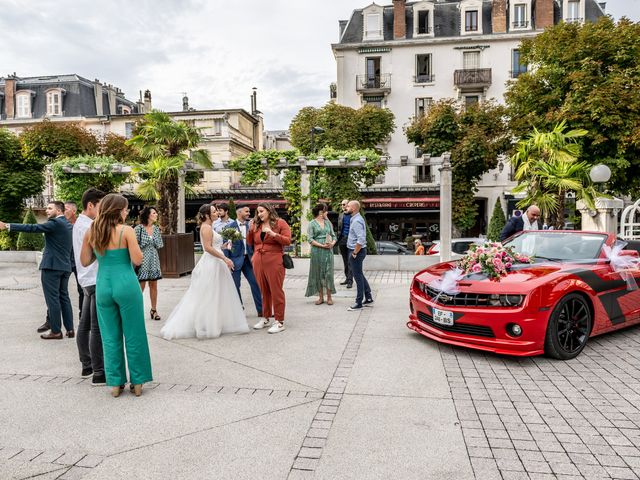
(305, 164)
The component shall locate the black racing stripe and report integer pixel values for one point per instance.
(598, 284)
(612, 305)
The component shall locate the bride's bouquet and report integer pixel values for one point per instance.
(231, 234)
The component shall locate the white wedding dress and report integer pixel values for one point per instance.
(211, 306)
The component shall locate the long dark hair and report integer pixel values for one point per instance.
(144, 215)
(273, 215)
(109, 217)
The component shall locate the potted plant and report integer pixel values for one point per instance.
(165, 147)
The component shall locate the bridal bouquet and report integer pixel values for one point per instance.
(492, 259)
(231, 234)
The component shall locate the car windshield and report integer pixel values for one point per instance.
(558, 245)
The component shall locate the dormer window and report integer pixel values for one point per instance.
(423, 18)
(471, 17)
(373, 22)
(124, 110)
(23, 104)
(54, 102)
(574, 10)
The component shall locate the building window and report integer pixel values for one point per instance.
(423, 105)
(423, 68)
(54, 102)
(423, 22)
(471, 99)
(23, 105)
(573, 11)
(520, 16)
(419, 152)
(471, 60)
(217, 126)
(517, 67)
(423, 174)
(124, 110)
(373, 27)
(128, 129)
(471, 21)
(376, 100)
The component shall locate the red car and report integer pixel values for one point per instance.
(552, 307)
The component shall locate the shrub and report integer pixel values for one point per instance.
(497, 222)
(30, 241)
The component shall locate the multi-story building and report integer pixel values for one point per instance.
(407, 55)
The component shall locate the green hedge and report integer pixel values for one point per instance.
(30, 241)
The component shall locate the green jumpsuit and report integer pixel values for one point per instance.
(121, 313)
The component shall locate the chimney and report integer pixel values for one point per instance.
(499, 16)
(185, 103)
(254, 102)
(399, 19)
(544, 14)
(147, 101)
(111, 97)
(97, 95)
(9, 95)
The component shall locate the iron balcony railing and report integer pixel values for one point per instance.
(424, 78)
(373, 82)
(472, 77)
(424, 179)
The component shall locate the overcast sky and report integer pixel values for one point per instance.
(215, 50)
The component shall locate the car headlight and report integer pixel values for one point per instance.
(496, 300)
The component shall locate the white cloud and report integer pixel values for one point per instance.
(214, 50)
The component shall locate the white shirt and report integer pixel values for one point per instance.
(220, 224)
(86, 275)
(244, 228)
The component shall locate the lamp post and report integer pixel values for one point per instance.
(313, 131)
(600, 174)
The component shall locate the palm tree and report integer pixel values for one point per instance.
(166, 146)
(547, 168)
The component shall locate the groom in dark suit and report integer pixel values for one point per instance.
(241, 254)
(55, 267)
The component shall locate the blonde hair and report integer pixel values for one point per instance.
(109, 217)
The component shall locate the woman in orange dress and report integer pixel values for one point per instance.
(268, 236)
(419, 247)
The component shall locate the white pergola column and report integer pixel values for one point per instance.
(445, 208)
(305, 187)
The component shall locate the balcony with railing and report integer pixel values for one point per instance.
(472, 77)
(424, 179)
(373, 83)
(430, 78)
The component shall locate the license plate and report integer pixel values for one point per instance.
(442, 317)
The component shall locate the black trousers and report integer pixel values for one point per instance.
(344, 251)
(80, 295)
(55, 284)
(88, 335)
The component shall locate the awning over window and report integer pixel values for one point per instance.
(402, 202)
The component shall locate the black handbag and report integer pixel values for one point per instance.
(136, 268)
(287, 261)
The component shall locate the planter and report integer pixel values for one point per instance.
(176, 257)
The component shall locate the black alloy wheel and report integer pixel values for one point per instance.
(569, 327)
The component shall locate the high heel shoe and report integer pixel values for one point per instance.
(116, 391)
(154, 314)
(136, 389)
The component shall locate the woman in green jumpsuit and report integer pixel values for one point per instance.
(118, 296)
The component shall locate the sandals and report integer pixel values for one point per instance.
(319, 302)
(330, 302)
(154, 314)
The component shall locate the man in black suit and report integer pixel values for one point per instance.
(527, 221)
(55, 267)
(344, 223)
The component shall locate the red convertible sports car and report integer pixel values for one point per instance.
(552, 307)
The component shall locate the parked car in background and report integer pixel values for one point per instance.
(387, 247)
(459, 246)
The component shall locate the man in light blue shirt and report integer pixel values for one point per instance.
(357, 245)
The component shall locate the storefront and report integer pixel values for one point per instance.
(398, 218)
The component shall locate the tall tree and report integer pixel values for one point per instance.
(589, 76)
(547, 168)
(165, 146)
(475, 135)
(497, 222)
(50, 141)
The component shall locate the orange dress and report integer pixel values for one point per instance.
(268, 266)
(420, 250)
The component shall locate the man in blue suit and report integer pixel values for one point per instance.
(55, 267)
(241, 253)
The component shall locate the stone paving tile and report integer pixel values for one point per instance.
(574, 419)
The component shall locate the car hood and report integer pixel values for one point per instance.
(524, 275)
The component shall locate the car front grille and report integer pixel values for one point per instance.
(459, 300)
(464, 328)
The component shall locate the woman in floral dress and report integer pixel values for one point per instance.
(322, 239)
(150, 241)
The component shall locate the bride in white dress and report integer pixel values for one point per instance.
(211, 306)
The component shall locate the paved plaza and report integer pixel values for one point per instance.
(338, 395)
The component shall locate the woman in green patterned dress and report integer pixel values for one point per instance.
(322, 239)
(150, 241)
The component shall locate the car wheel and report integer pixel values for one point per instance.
(568, 328)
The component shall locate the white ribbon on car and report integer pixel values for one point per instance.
(623, 264)
(447, 283)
